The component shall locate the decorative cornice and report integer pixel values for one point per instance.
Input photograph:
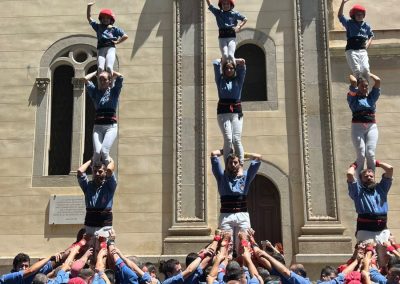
(200, 184)
(178, 115)
(303, 112)
(326, 127)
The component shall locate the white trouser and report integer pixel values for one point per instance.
(379, 238)
(231, 127)
(358, 62)
(227, 46)
(234, 222)
(105, 59)
(365, 138)
(103, 138)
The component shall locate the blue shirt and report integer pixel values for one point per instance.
(106, 36)
(12, 278)
(107, 99)
(229, 88)
(126, 275)
(370, 202)
(98, 197)
(61, 278)
(18, 277)
(356, 29)
(358, 103)
(97, 279)
(228, 185)
(174, 279)
(376, 276)
(337, 280)
(194, 277)
(292, 279)
(226, 19)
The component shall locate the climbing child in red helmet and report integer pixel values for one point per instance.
(227, 21)
(359, 38)
(107, 37)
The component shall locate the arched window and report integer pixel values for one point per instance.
(64, 117)
(61, 121)
(255, 86)
(90, 114)
(260, 87)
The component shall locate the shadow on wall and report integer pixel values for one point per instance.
(146, 24)
(307, 15)
(149, 21)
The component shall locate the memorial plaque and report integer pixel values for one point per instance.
(67, 209)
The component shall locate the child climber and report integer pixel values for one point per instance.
(227, 21)
(359, 38)
(107, 37)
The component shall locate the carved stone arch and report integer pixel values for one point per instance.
(80, 52)
(267, 44)
(281, 181)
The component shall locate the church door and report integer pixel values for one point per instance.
(265, 210)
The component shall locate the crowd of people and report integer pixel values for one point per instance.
(233, 256)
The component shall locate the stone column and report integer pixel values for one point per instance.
(322, 229)
(78, 128)
(189, 224)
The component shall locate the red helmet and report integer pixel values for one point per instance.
(232, 2)
(107, 12)
(357, 8)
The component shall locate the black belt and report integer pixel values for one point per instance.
(371, 222)
(233, 204)
(226, 33)
(96, 217)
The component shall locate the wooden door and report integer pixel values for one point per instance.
(264, 206)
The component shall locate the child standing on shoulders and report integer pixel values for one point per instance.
(227, 21)
(107, 37)
(359, 38)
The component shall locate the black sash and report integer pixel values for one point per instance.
(98, 217)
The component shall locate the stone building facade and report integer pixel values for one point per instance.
(167, 202)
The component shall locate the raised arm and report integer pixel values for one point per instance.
(101, 265)
(212, 275)
(249, 263)
(386, 167)
(80, 263)
(282, 269)
(195, 263)
(376, 79)
(132, 265)
(116, 74)
(252, 156)
(260, 254)
(353, 80)
(83, 168)
(216, 153)
(88, 11)
(340, 12)
(110, 168)
(350, 172)
(365, 269)
(35, 267)
(89, 76)
(240, 61)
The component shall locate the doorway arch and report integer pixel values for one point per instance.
(264, 207)
(280, 180)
